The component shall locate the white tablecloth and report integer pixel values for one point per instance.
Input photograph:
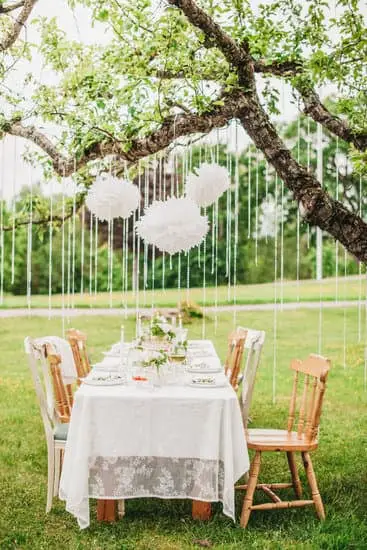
(171, 442)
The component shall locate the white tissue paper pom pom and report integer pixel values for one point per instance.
(208, 185)
(110, 198)
(174, 225)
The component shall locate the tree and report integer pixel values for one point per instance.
(182, 69)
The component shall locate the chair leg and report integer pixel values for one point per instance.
(294, 473)
(251, 486)
(50, 477)
(316, 497)
(57, 471)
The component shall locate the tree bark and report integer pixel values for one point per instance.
(316, 205)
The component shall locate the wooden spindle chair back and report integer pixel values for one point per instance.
(62, 394)
(77, 341)
(232, 368)
(314, 371)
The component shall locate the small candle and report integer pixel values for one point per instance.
(180, 321)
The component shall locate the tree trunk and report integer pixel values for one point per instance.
(317, 207)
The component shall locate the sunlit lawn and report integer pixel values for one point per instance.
(340, 462)
(289, 291)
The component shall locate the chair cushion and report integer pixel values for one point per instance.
(278, 440)
(61, 432)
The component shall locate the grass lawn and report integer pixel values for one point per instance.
(340, 462)
(351, 288)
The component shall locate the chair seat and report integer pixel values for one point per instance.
(61, 432)
(277, 440)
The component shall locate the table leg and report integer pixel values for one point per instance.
(106, 510)
(201, 510)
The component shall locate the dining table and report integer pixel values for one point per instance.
(176, 440)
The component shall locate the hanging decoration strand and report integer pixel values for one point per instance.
(82, 252)
(319, 170)
(275, 315)
(298, 213)
(29, 244)
(336, 242)
(13, 213)
(360, 270)
(236, 218)
(2, 255)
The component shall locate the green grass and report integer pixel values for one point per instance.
(340, 462)
(352, 288)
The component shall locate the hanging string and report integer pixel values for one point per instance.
(153, 247)
(345, 312)
(163, 253)
(50, 247)
(2, 256)
(13, 213)
(216, 267)
(228, 231)
(365, 338)
(82, 255)
(146, 202)
(319, 170)
(90, 258)
(249, 194)
(29, 244)
(281, 244)
(137, 293)
(336, 242)
(111, 262)
(256, 206)
(298, 212)
(63, 255)
(308, 139)
(73, 249)
(69, 266)
(95, 256)
(275, 314)
(203, 327)
(360, 270)
(236, 217)
(126, 262)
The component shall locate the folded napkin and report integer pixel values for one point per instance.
(62, 348)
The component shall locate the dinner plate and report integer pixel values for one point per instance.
(204, 368)
(214, 384)
(115, 381)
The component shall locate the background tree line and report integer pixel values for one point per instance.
(257, 191)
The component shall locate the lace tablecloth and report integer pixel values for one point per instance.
(172, 442)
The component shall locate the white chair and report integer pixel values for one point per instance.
(254, 343)
(54, 424)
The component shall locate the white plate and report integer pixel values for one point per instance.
(215, 384)
(203, 368)
(103, 382)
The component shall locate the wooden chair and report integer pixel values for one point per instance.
(232, 366)
(55, 408)
(315, 370)
(253, 346)
(77, 341)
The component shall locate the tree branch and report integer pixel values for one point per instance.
(279, 68)
(172, 127)
(236, 55)
(314, 108)
(11, 7)
(313, 105)
(17, 25)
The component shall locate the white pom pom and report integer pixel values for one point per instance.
(173, 225)
(110, 198)
(208, 185)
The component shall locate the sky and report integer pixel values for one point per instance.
(15, 172)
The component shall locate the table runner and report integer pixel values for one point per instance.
(172, 442)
